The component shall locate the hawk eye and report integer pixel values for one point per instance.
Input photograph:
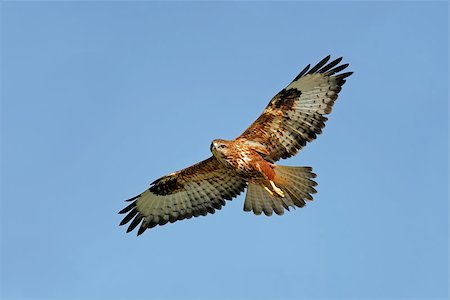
(221, 146)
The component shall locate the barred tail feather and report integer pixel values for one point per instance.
(296, 184)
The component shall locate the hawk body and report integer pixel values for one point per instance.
(294, 117)
(241, 157)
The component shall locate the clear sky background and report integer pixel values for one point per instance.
(99, 99)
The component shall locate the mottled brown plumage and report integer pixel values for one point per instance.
(292, 118)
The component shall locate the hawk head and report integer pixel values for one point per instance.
(219, 148)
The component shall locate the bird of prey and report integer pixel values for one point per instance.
(292, 118)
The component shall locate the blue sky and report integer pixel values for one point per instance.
(101, 98)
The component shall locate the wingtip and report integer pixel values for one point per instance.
(345, 75)
(128, 208)
(134, 198)
(319, 65)
(136, 221)
(303, 72)
(336, 70)
(141, 230)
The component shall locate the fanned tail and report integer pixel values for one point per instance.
(295, 183)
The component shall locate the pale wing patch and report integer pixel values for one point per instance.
(308, 82)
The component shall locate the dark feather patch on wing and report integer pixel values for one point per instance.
(285, 99)
(166, 185)
(195, 191)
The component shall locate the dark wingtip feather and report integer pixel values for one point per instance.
(330, 65)
(344, 75)
(141, 230)
(337, 69)
(135, 222)
(134, 198)
(128, 217)
(319, 65)
(128, 208)
(303, 72)
(324, 68)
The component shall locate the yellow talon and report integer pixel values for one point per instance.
(269, 191)
(277, 189)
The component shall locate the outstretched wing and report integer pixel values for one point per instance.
(194, 191)
(295, 115)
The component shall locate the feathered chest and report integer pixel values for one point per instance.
(241, 158)
(241, 161)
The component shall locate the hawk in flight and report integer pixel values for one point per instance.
(292, 118)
